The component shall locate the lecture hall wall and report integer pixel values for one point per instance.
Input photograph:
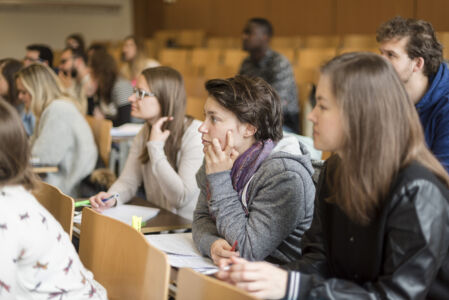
(289, 17)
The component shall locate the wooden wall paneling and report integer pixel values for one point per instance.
(434, 11)
(230, 16)
(147, 17)
(302, 17)
(364, 16)
(187, 14)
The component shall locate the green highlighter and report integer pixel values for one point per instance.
(87, 202)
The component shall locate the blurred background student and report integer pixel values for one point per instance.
(135, 59)
(8, 91)
(62, 136)
(166, 153)
(110, 98)
(37, 258)
(381, 222)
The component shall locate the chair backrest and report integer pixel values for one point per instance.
(173, 57)
(101, 129)
(205, 56)
(196, 286)
(321, 41)
(121, 259)
(58, 204)
(314, 58)
(234, 57)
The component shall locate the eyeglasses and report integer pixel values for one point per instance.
(140, 94)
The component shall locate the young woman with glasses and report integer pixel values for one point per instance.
(166, 153)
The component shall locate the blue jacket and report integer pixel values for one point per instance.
(433, 110)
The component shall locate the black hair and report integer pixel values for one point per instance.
(265, 24)
(45, 53)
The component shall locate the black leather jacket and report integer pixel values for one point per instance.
(402, 254)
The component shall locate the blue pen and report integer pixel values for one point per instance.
(87, 202)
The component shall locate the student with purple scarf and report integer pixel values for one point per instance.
(256, 186)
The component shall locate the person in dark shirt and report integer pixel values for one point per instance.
(271, 66)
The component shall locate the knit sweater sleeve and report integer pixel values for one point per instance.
(131, 176)
(204, 231)
(54, 136)
(275, 204)
(179, 187)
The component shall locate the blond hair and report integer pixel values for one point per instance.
(44, 87)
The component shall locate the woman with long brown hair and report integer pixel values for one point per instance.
(111, 92)
(166, 153)
(37, 258)
(381, 221)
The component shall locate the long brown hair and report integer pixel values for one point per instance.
(105, 71)
(168, 86)
(9, 67)
(15, 165)
(382, 133)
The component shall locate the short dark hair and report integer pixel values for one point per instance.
(78, 37)
(77, 53)
(422, 41)
(15, 167)
(265, 24)
(45, 52)
(253, 101)
(9, 68)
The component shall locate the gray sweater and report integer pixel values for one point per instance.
(64, 138)
(280, 205)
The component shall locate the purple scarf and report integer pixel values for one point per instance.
(247, 164)
(244, 168)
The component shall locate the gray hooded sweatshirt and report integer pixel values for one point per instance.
(280, 205)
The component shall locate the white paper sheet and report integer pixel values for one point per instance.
(181, 251)
(125, 213)
(174, 243)
(126, 130)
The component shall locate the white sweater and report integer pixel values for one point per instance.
(175, 191)
(64, 138)
(37, 258)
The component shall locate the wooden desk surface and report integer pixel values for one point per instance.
(164, 221)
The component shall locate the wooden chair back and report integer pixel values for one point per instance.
(195, 286)
(321, 41)
(101, 129)
(234, 57)
(205, 56)
(314, 58)
(58, 204)
(121, 259)
(173, 57)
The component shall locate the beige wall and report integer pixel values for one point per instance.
(291, 17)
(20, 26)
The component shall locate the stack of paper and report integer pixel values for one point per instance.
(125, 213)
(181, 251)
(126, 130)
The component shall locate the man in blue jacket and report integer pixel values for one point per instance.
(412, 48)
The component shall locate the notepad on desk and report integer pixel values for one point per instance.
(125, 213)
(182, 252)
(126, 130)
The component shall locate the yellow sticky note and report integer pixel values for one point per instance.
(136, 223)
